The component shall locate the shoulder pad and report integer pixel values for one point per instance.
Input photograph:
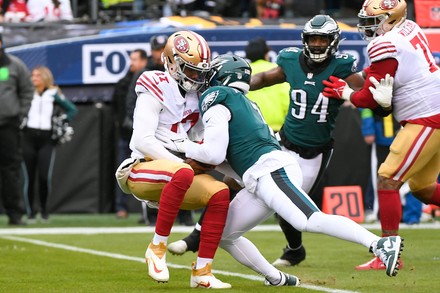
(156, 83)
(380, 49)
(209, 98)
(289, 52)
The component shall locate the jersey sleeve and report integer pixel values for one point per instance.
(380, 49)
(212, 96)
(152, 82)
(287, 55)
(346, 65)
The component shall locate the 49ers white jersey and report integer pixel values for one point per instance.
(177, 108)
(416, 89)
(160, 104)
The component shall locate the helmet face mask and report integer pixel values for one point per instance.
(320, 27)
(190, 78)
(187, 57)
(377, 17)
(231, 70)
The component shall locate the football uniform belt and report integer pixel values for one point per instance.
(305, 152)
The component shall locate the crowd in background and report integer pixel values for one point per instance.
(31, 11)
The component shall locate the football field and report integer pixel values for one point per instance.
(101, 254)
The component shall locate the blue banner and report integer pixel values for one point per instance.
(104, 58)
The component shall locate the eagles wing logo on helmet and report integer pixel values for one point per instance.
(388, 4)
(181, 44)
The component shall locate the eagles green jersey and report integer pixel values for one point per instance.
(311, 117)
(249, 135)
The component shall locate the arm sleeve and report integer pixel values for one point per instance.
(145, 122)
(67, 105)
(364, 98)
(25, 88)
(215, 143)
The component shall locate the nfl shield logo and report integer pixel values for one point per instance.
(435, 13)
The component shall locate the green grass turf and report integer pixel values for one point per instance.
(330, 262)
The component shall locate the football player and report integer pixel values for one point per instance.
(307, 130)
(236, 131)
(399, 48)
(308, 127)
(169, 100)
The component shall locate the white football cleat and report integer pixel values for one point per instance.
(286, 280)
(178, 248)
(203, 278)
(388, 249)
(155, 256)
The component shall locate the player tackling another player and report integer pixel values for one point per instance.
(235, 131)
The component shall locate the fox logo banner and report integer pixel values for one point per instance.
(107, 63)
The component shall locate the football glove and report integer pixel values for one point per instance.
(171, 140)
(337, 88)
(383, 90)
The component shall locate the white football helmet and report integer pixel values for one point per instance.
(377, 17)
(325, 26)
(187, 59)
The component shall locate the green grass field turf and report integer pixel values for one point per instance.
(114, 262)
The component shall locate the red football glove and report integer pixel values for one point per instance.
(336, 88)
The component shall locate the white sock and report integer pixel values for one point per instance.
(340, 227)
(201, 262)
(157, 239)
(245, 252)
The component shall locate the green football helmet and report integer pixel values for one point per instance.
(231, 70)
(326, 27)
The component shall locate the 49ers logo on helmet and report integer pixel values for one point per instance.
(388, 4)
(181, 44)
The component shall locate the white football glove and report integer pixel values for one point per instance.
(383, 91)
(171, 140)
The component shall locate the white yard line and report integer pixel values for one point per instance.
(142, 260)
(177, 229)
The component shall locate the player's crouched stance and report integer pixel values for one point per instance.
(137, 177)
(169, 100)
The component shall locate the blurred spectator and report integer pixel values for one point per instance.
(49, 10)
(16, 95)
(41, 134)
(108, 3)
(4, 4)
(274, 110)
(14, 10)
(138, 61)
(269, 9)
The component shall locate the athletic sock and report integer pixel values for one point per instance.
(435, 199)
(171, 199)
(213, 223)
(390, 211)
